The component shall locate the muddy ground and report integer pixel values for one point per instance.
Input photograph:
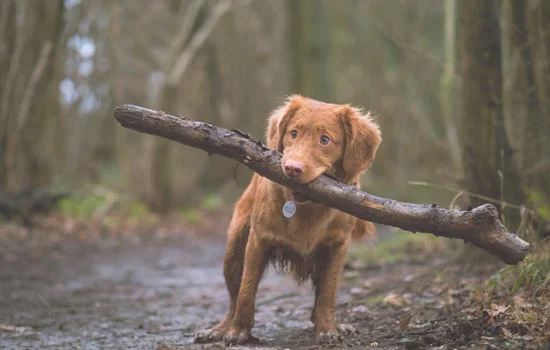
(153, 291)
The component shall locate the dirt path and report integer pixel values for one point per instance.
(148, 293)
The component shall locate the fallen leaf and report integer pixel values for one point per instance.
(404, 321)
(530, 316)
(470, 310)
(395, 300)
(479, 296)
(367, 284)
(496, 310)
(506, 333)
(519, 302)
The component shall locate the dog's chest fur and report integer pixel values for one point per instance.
(308, 228)
(303, 232)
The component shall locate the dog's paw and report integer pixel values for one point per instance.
(209, 335)
(337, 335)
(347, 329)
(329, 337)
(239, 337)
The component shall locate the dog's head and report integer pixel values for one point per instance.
(317, 138)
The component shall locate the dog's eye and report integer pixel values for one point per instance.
(325, 140)
(294, 134)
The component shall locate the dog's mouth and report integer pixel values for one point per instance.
(298, 197)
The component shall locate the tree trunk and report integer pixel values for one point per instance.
(524, 102)
(480, 226)
(31, 137)
(161, 198)
(537, 158)
(310, 48)
(489, 164)
(448, 85)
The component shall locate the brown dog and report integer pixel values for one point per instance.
(315, 138)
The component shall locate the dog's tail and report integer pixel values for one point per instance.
(363, 229)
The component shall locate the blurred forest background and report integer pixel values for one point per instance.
(461, 90)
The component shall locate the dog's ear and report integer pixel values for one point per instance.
(362, 139)
(278, 121)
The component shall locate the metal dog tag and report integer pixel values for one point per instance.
(289, 209)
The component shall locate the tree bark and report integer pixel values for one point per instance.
(489, 164)
(480, 226)
(31, 129)
(537, 153)
(525, 97)
(310, 48)
(183, 48)
(448, 85)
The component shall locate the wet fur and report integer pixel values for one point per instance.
(313, 243)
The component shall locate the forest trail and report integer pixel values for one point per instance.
(152, 292)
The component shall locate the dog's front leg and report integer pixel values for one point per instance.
(323, 313)
(256, 258)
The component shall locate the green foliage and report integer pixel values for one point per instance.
(379, 299)
(371, 301)
(540, 204)
(82, 207)
(99, 202)
(532, 274)
(192, 216)
(136, 209)
(212, 201)
(400, 246)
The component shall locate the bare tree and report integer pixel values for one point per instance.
(201, 65)
(489, 165)
(31, 137)
(448, 85)
(525, 37)
(182, 48)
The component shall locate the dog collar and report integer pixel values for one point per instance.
(289, 208)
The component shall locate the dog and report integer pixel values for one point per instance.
(315, 138)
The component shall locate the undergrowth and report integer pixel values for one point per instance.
(398, 247)
(102, 204)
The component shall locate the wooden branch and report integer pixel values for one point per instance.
(480, 226)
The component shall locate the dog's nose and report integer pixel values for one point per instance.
(293, 168)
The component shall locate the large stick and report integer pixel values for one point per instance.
(481, 225)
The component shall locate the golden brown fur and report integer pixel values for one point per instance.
(315, 138)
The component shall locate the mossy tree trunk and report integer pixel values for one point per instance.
(527, 91)
(537, 149)
(489, 165)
